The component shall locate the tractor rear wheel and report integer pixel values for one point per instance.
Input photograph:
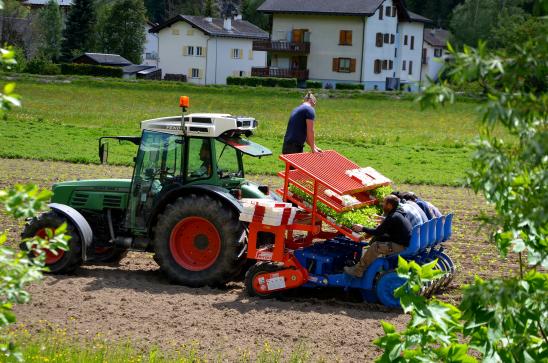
(199, 242)
(60, 262)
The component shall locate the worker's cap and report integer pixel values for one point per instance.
(310, 97)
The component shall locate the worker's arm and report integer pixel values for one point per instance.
(379, 231)
(310, 136)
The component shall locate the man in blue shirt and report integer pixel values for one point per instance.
(300, 128)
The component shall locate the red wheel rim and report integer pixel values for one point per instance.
(195, 243)
(51, 257)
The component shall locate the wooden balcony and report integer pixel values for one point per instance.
(279, 73)
(281, 46)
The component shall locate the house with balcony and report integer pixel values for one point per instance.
(150, 50)
(205, 50)
(434, 53)
(376, 43)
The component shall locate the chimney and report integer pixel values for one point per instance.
(227, 25)
(209, 19)
(238, 17)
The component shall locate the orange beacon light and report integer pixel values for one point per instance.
(184, 102)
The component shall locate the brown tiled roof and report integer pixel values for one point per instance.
(240, 28)
(436, 37)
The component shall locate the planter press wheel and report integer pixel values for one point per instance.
(386, 284)
(252, 285)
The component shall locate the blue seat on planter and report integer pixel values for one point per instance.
(439, 229)
(447, 227)
(432, 232)
(414, 243)
(423, 236)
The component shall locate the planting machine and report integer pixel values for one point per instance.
(317, 259)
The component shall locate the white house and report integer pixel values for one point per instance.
(208, 50)
(150, 52)
(377, 43)
(434, 52)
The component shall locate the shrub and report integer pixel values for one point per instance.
(91, 70)
(262, 81)
(41, 65)
(313, 84)
(350, 86)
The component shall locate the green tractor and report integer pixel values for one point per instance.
(182, 202)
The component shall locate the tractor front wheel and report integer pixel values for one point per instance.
(198, 242)
(58, 262)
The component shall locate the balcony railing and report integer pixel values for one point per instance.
(279, 73)
(281, 46)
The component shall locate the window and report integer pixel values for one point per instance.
(281, 35)
(394, 11)
(396, 53)
(241, 73)
(403, 67)
(410, 67)
(377, 67)
(199, 159)
(344, 65)
(405, 40)
(200, 51)
(228, 164)
(438, 52)
(188, 50)
(390, 65)
(148, 56)
(190, 32)
(385, 64)
(392, 38)
(386, 38)
(236, 53)
(381, 11)
(378, 40)
(345, 37)
(175, 31)
(412, 42)
(388, 11)
(195, 73)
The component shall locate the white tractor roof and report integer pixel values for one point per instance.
(201, 124)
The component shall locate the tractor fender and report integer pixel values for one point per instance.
(81, 224)
(213, 191)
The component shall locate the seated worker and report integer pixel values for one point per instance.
(428, 208)
(411, 213)
(205, 157)
(391, 236)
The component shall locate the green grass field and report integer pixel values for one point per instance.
(62, 119)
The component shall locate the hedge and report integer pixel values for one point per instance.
(314, 84)
(91, 70)
(42, 66)
(262, 81)
(351, 86)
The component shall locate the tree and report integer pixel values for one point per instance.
(502, 319)
(102, 37)
(211, 9)
(79, 31)
(50, 27)
(125, 29)
(250, 13)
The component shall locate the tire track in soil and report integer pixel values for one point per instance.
(135, 301)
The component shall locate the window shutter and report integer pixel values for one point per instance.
(349, 37)
(410, 67)
(385, 64)
(378, 41)
(190, 31)
(335, 64)
(231, 53)
(386, 38)
(390, 65)
(412, 42)
(342, 37)
(185, 50)
(394, 11)
(189, 76)
(405, 40)
(352, 65)
(403, 66)
(388, 11)
(392, 38)
(250, 54)
(241, 53)
(204, 51)
(200, 73)
(381, 11)
(377, 66)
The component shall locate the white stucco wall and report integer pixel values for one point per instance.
(374, 25)
(216, 63)
(324, 43)
(410, 55)
(221, 64)
(434, 64)
(151, 47)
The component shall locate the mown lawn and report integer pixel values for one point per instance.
(62, 119)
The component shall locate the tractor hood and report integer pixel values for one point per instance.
(92, 194)
(111, 185)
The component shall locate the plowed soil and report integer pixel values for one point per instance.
(134, 301)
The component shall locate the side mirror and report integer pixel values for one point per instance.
(103, 152)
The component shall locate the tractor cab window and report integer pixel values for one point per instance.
(199, 159)
(228, 163)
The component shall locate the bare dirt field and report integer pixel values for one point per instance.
(134, 301)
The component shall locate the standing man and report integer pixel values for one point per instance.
(300, 128)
